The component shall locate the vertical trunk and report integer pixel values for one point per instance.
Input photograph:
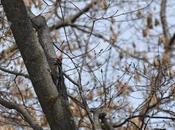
(52, 103)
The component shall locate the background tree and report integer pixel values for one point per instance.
(87, 64)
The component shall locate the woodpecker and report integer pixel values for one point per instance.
(56, 68)
(57, 75)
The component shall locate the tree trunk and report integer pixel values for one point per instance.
(53, 103)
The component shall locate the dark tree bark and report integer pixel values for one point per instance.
(53, 103)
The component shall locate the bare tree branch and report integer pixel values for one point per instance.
(14, 72)
(68, 21)
(19, 108)
(164, 19)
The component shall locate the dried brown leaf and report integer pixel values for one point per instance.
(150, 21)
(146, 32)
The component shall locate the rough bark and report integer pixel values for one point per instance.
(45, 41)
(36, 63)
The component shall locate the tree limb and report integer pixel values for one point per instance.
(164, 19)
(28, 118)
(37, 66)
(14, 72)
(68, 21)
(105, 125)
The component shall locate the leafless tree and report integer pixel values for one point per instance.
(90, 64)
